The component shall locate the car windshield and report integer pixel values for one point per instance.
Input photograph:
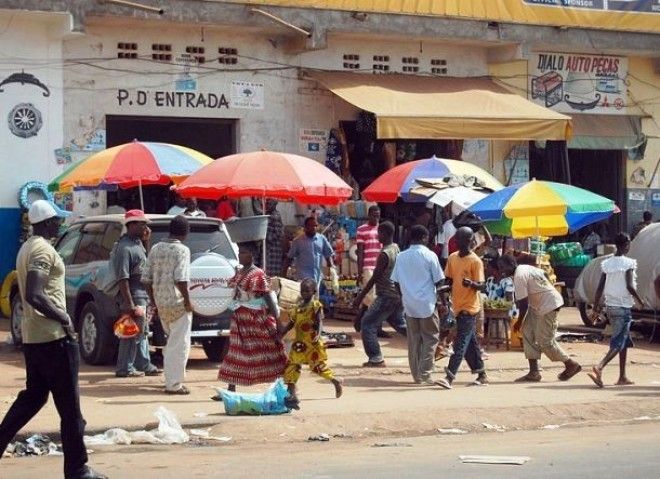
(202, 237)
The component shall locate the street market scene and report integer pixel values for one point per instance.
(329, 239)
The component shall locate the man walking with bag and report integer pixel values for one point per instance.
(126, 263)
(50, 347)
(166, 278)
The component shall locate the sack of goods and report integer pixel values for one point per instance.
(256, 404)
(126, 327)
(287, 291)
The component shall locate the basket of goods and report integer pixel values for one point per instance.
(497, 308)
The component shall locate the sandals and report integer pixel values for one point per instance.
(567, 373)
(595, 376)
(529, 378)
(184, 391)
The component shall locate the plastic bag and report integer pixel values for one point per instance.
(126, 327)
(256, 404)
(334, 279)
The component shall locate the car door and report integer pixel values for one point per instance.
(66, 247)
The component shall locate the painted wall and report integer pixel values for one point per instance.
(643, 186)
(30, 44)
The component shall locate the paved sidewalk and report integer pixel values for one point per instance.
(375, 402)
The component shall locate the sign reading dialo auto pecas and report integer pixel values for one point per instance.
(577, 83)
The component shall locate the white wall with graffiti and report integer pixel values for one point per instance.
(31, 113)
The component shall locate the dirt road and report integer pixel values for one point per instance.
(602, 452)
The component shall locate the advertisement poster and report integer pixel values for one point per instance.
(247, 95)
(313, 140)
(516, 165)
(576, 83)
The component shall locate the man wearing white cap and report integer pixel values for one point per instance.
(49, 343)
(127, 261)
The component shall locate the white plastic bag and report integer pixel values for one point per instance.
(334, 279)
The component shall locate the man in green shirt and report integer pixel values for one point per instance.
(49, 344)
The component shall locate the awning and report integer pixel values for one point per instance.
(419, 107)
(606, 132)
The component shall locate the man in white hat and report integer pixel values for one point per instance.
(49, 343)
(127, 260)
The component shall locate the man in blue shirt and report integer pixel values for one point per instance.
(307, 252)
(417, 274)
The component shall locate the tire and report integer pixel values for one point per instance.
(97, 342)
(586, 310)
(15, 319)
(216, 349)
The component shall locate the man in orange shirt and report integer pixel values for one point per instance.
(465, 273)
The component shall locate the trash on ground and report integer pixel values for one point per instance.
(451, 431)
(343, 435)
(643, 418)
(323, 437)
(512, 460)
(169, 432)
(579, 337)
(35, 445)
(391, 444)
(272, 401)
(200, 414)
(206, 434)
(551, 426)
(494, 427)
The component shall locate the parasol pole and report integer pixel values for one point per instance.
(141, 197)
(263, 242)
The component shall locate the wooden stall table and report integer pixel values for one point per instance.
(499, 327)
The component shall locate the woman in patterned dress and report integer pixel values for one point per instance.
(256, 353)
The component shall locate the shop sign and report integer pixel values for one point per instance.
(576, 83)
(642, 6)
(313, 140)
(655, 199)
(171, 99)
(247, 95)
(636, 196)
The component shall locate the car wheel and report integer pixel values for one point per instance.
(16, 318)
(97, 342)
(588, 316)
(216, 349)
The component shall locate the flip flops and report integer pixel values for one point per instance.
(595, 376)
(567, 374)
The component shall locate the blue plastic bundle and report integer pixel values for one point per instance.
(256, 404)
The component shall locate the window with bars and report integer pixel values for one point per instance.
(410, 64)
(161, 52)
(351, 61)
(381, 63)
(197, 52)
(228, 55)
(127, 51)
(438, 66)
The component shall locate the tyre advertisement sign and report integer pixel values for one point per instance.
(577, 83)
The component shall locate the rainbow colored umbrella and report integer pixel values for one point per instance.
(397, 182)
(130, 165)
(541, 208)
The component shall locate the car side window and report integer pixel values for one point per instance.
(66, 246)
(92, 247)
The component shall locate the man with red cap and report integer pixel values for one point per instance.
(127, 261)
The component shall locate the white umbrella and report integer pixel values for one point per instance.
(461, 197)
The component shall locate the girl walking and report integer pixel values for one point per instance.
(307, 348)
(618, 284)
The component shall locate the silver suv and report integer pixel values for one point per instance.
(85, 248)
